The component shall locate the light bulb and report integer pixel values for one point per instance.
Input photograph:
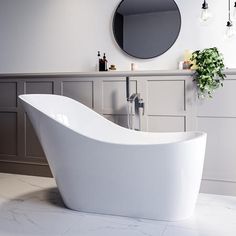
(205, 14)
(234, 12)
(230, 32)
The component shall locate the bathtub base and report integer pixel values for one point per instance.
(147, 216)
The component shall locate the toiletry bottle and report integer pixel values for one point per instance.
(101, 63)
(105, 62)
(98, 64)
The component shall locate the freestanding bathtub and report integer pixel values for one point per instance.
(101, 167)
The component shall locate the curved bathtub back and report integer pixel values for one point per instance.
(85, 121)
(68, 112)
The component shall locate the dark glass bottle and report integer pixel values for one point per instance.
(105, 62)
(99, 58)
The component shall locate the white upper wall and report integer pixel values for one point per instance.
(65, 35)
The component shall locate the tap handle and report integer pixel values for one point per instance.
(141, 104)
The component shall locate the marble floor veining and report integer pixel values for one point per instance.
(32, 206)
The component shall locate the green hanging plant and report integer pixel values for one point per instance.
(209, 71)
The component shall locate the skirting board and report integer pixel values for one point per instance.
(25, 169)
(218, 187)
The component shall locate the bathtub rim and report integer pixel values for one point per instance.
(196, 134)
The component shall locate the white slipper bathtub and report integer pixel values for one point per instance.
(101, 167)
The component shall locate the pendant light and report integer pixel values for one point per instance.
(205, 14)
(229, 26)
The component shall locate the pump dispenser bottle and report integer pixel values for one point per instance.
(102, 62)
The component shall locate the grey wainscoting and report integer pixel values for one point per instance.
(217, 117)
(171, 104)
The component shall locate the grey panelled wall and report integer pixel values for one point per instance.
(171, 105)
(166, 105)
(218, 118)
(20, 151)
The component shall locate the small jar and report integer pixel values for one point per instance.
(134, 66)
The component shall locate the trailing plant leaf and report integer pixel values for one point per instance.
(209, 74)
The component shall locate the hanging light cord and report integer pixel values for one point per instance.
(229, 12)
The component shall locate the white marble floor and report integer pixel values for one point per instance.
(32, 206)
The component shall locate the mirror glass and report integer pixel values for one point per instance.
(146, 28)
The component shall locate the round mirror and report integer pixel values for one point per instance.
(146, 28)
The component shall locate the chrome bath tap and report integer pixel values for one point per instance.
(135, 108)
